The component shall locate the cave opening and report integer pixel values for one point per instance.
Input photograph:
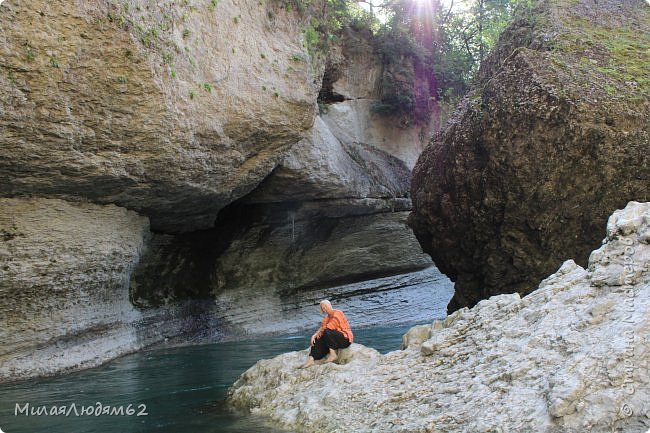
(327, 95)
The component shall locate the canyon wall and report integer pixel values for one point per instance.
(64, 287)
(145, 106)
(552, 137)
(163, 165)
(332, 212)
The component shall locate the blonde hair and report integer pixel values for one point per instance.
(326, 302)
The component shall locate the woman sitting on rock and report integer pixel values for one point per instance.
(334, 333)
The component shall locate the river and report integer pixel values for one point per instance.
(182, 389)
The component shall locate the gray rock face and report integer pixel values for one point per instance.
(553, 136)
(64, 289)
(323, 167)
(570, 357)
(64, 278)
(353, 121)
(351, 85)
(405, 298)
(332, 212)
(130, 104)
(354, 68)
(318, 253)
(262, 282)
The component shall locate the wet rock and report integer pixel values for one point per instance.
(405, 298)
(570, 356)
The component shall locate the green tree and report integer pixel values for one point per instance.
(467, 37)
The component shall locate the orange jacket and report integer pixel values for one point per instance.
(338, 322)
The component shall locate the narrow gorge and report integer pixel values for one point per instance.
(152, 195)
(182, 181)
(547, 331)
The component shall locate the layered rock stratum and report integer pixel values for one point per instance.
(552, 137)
(571, 357)
(65, 285)
(333, 210)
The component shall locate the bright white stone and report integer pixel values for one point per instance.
(573, 356)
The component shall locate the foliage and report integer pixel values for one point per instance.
(467, 38)
(429, 53)
(322, 25)
(29, 52)
(443, 47)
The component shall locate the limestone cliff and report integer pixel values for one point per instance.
(162, 166)
(333, 211)
(552, 136)
(352, 85)
(570, 357)
(64, 287)
(145, 104)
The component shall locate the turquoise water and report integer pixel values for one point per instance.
(183, 388)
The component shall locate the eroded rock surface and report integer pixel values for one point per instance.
(570, 357)
(64, 279)
(552, 137)
(143, 105)
(196, 118)
(332, 212)
(352, 85)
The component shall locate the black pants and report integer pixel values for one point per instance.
(329, 340)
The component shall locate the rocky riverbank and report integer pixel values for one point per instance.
(572, 356)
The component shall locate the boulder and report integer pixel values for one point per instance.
(271, 377)
(416, 336)
(552, 137)
(356, 353)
